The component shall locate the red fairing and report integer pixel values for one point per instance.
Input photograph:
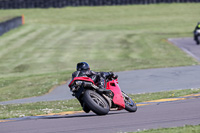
(81, 78)
(111, 85)
(118, 98)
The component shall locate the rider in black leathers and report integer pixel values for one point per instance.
(99, 78)
(195, 34)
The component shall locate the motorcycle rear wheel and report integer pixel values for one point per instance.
(96, 102)
(130, 105)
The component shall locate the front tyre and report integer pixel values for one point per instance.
(96, 102)
(130, 105)
(198, 39)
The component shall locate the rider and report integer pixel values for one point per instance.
(195, 34)
(99, 78)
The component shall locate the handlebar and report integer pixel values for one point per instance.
(111, 78)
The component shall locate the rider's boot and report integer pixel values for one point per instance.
(85, 108)
(104, 90)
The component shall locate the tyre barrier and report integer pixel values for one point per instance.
(11, 24)
(16, 4)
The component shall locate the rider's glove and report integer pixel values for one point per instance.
(111, 74)
(115, 76)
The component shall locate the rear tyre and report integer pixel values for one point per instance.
(96, 102)
(130, 105)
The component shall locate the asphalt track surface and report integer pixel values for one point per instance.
(159, 115)
(169, 114)
(188, 45)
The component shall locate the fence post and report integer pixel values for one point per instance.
(23, 19)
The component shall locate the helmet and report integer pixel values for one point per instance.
(82, 66)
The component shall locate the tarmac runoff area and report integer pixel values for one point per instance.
(57, 115)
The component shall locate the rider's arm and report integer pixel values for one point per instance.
(75, 74)
(107, 74)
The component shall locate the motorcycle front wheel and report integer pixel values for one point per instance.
(96, 102)
(198, 39)
(130, 105)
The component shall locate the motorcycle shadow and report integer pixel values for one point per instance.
(81, 115)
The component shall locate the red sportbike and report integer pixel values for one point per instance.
(98, 100)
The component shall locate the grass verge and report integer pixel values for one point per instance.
(2, 19)
(28, 86)
(184, 129)
(160, 95)
(32, 109)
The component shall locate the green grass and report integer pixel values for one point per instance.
(32, 109)
(28, 86)
(39, 108)
(2, 19)
(164, 94)
(116, 38)
(184, 129)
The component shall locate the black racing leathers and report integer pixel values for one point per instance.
(99, 78)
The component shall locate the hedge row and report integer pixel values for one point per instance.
(12, 4)
(10, 24)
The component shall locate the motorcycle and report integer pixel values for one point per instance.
(197, 36)
(98, 100)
